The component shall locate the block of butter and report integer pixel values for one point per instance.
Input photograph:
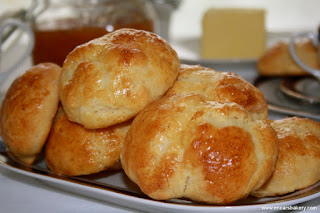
(233, 33)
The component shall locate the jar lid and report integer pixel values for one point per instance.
(173, 3)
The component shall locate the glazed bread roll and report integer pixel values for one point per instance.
(221, 87)
(27, 111)
(73, 150)
(185, 146)
(110, 79)
(298, 164)
(277, 61)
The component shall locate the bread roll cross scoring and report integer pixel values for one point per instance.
(222, 87)
(185, 146)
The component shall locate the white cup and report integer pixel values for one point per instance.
(315, 42)
(18, 61)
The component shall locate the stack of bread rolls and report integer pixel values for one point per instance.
(177, 130)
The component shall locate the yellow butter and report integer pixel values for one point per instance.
(229, 33)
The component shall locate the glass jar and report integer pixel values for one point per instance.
(65, 24)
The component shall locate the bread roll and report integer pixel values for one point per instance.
(185, 146)
(277, 61)
(298, 164)
(73, 150)
(110, 79)
(221, 87)
(27, 111)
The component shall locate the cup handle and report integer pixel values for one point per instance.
(26, 54)
(314, 39)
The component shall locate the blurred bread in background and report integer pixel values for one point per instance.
(277, 61)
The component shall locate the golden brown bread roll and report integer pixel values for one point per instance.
(110, 79)
(298, 164)
(277, 61)
(184, 146)
(221, 87)
(27, 111)
(73, 150)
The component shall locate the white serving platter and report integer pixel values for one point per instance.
(115, 187)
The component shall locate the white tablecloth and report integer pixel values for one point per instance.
(19, 193)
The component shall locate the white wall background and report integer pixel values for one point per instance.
(282, 15)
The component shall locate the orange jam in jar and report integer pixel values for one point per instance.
(66, 24)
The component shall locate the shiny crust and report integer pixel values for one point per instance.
(185, 146)
(73, 150)
(221, 87)
(110, 79)
(298, 164)
(276, 61)
(27, 111)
